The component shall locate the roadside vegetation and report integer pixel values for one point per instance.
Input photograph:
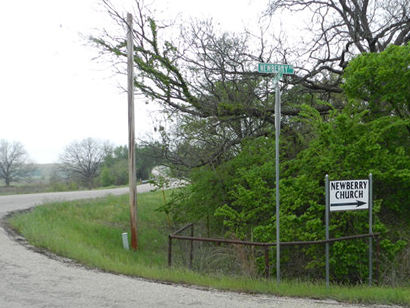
(85, 164)
(89, 232)
(345, 113)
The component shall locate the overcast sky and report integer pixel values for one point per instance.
(52, 92)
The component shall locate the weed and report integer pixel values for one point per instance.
(89, 231)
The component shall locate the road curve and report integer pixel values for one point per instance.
(30, 279)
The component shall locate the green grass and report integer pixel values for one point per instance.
(40, 187)
(90, 232)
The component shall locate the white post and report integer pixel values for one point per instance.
(125, 241)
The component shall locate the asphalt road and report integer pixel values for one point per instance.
(32, 279)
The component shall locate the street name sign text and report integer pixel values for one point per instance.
(270, 68)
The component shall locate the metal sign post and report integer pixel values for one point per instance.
(277, 134)
(348, 195)
(370, 228)
(327, 229)
(279, 70)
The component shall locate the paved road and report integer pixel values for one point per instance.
(30, 279)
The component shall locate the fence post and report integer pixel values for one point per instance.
(377, 259)
(169, 250)
(266, 262)
(191, 251)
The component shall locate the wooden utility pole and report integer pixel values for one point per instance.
(132, 174)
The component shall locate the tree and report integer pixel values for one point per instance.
(82, 160)
(14, 164)
(339, 31)
(381, 81)
(207, 80)
(114, 169)
(147, 156)
(241, 191)
(208, 83)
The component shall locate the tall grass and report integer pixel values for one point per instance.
(90, 232)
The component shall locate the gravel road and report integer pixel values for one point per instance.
(31, 279)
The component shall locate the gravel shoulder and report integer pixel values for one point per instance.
(33, 279)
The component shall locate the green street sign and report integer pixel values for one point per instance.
(269, 68)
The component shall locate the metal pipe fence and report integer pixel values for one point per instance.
(265, 246)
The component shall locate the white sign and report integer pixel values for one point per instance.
(349, 195)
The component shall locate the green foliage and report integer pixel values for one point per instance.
(105, 177)
(115, 174)
(89, 232)
(242, 190)
(197, 203)
(382, 80)
(114, 170)
(147, 157)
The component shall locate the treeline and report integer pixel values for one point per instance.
(114, 169)
(370, 134)
(88, 163)
(345, 113)
(92, 163)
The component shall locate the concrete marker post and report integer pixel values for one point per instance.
(125, 244)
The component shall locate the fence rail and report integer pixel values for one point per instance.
(266, 246)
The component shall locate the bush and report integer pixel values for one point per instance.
(115, 174)
(241, 192)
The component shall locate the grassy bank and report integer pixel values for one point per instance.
(39, 187)
(90, 232)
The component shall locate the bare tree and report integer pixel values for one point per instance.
(82, 160)
(14, 164)
(204, 77)
(208, 81)
(340, 30)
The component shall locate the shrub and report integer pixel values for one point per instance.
(241, 191)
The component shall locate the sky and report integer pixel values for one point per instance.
(54, 91)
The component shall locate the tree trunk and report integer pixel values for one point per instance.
(90, 183)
